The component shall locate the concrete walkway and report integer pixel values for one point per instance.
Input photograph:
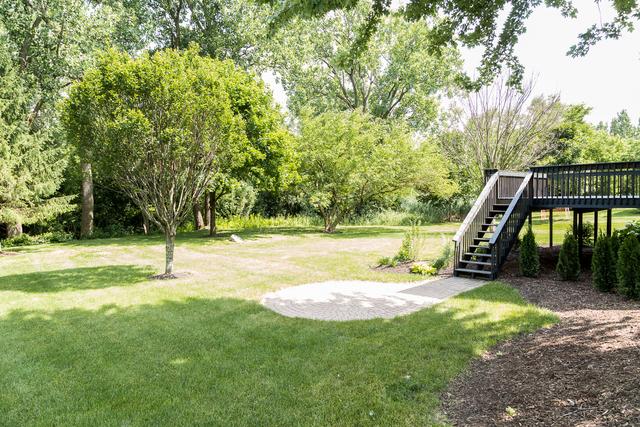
(355, 300)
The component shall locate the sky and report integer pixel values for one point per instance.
(606, 79)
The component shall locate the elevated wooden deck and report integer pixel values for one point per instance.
(492, 225)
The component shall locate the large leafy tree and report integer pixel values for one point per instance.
(494, 26)
(350, 159)
(395, 77)
(162, 125)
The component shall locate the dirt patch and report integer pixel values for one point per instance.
(405, 268)
(165, 276)
(8, 253)
(584, 371)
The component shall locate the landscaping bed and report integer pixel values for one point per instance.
(583, 371)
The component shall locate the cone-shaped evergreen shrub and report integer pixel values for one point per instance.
(628, 263)
(529, 257)
(603, 265)
(569, 260)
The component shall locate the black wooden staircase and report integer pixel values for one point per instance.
(492, 225)
(491, 228)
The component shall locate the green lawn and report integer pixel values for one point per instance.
(86, 339)
(562, 222)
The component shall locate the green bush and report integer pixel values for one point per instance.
(445, 258)
(411, 245)
(529, 256)
(387, 261)
(587, 233)
(628, 271)
(603, 264)
(569, 260)
(40, 239)
(423, 269)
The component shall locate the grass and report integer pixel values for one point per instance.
(562, 222)
(85, 338)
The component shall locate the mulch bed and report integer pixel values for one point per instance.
(584, 371)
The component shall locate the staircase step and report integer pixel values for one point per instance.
(479, 246)
(477, 262)
(489, 225)
(495, 213)
(477, 254)
(501, 206)
(472, 271)
(481, 239)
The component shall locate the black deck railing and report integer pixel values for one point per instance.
(597, 185)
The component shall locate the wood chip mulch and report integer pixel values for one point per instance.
(584, 371)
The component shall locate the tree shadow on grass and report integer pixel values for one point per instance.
(230, 361)
(75, 279)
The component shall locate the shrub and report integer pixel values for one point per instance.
(423, 269)
(628, 272)
(529, 257)
(387, 261)
(587, 233)
(603, 264)
(569, 260)
(445, 258)
(40, 239)
(411, 245)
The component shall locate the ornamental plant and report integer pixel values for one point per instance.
(529, 258)
(569, 259)
(603, 264)
(627, 268)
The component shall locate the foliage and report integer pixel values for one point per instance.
(586, 233)
(412, 244)
(31, 161)
(445, 259)
(529, 258)
(349, 160)
(158, 145)
(577, 141)
(395, 77)
(388, 261)
(238, 202)
(627, 267)
(631, 228)
(603, 264)
(500, 127)
(569, 259)
(423, 269)
(28, 240)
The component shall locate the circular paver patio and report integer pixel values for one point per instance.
(357, 300)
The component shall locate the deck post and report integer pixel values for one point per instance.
(551, 227)
(575, 223)
(595, 226)
(608, 222)
(530, 218)
(580, 234)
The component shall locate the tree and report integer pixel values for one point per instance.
(493, 26)
(31, 159)
(529, 257)
(348, 159)
(569, 258)
(395, 77)
(577, 141)
(161, 124)
(603, 264)
(500, 127)
(266, 161)
(621, 126)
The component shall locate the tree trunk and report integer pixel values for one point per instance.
(207, 211)
(86, 225)
(14, 230)
(213, 202)
(146, 226)
(198, 222)
(170, 241)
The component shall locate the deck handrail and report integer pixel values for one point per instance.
(511, 208)
(482, 198)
